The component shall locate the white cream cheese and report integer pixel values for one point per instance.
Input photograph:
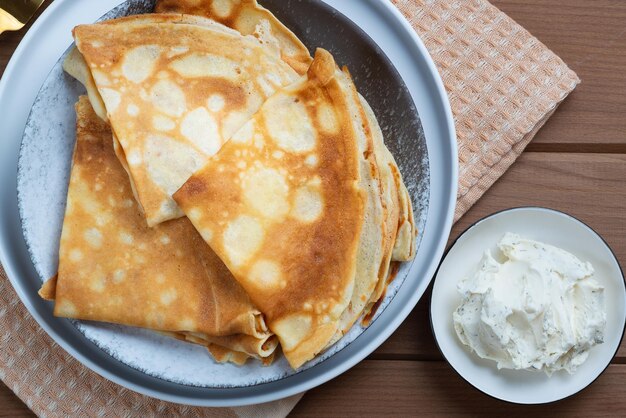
(540, 308)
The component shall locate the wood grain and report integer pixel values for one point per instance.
(11, 405)
(419, 388)
(577, 164)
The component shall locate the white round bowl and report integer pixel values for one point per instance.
(552, 227)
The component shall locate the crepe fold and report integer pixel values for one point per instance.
(248, 18)
(113, 268)
(174, 89)
(282, 204)
(388, 232)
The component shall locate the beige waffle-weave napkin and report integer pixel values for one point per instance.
(503, 85)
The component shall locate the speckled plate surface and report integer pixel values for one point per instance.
(400, 84)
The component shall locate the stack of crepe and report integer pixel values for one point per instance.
(227, 189)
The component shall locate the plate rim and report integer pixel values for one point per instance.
(84, 327)
(367, 347)
(487, 218)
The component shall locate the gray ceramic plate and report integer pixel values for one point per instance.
(400, 84)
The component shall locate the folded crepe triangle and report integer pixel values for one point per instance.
(113, 268)
(388, 233)
(250, 18)
(174, 89)
(282, 206)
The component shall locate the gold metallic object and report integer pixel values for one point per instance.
(15, 13)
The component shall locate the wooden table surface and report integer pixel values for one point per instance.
(576, 163)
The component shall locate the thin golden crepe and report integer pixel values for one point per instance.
(388, 232)
(282, 205)
(113, 268)
(248, 18)
(75, 65)
(175, 88)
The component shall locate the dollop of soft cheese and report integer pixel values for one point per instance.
(541, 308)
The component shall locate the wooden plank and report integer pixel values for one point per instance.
(591, 38)
(587, 186)
(11, 405)
(433, 389)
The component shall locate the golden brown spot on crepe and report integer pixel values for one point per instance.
(327, 119)
(196, 65)
(163, 123)
(311, 160)
(218, 94)
(76, 255)
(119, 276)
(308, 204)
(242, 238)
(168, 296)
(222, 8)
(266, 274)
(289, 125)
(215, 102)
(167, 97)
(139, 62)
(97, 282)
(101, 220)
(266, 190)
(125, 238)
(201, 129)
(193, 187)
(132, 110)
(93, 236)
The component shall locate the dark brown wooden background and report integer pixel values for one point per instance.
(577, 163)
